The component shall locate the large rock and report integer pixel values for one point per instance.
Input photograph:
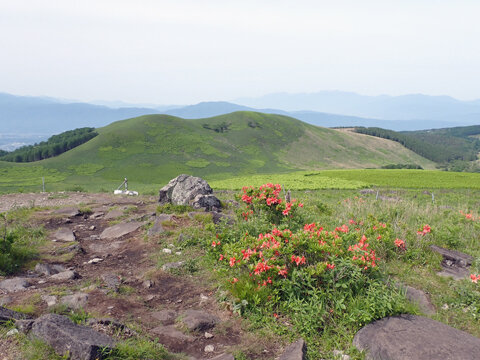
(79, 342)
(15, 284)
(65, 275)
(119, 230)
(421, 299)
(295, 351)
(64, 234)
(406, 337)
(184, 189)
(7, 314)
(172, 338)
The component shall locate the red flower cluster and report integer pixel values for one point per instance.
(474, 278)
(362, 254)
(400, 243)
(267, 196)
(468, 216)
(426, 229)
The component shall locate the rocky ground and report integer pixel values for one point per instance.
(103, 261)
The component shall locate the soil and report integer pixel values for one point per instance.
(132, 259)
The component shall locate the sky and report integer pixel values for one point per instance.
(187, 51)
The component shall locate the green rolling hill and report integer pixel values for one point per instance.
(150, 150)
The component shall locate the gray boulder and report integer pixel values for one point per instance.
(65, 275)
(187, 190)
(415, 337)
(157, 227)
(66, 337)
(7, 314)
(295, 351)
(454, 264)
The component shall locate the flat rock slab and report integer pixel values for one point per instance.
(406, 337)
(295, 351)
(64, 234)
(105, 248)
(15, 284)
(119, 230)
(7, 314)
(79, 342)
(157, 227)
(65, 275)
(75, 301)
(166, 317)
(67, 211)
(113, 214)
(49, 269)
(454, 264)
(198, 320)
(420, 298)
(172, 338)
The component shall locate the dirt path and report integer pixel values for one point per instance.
(126, 283)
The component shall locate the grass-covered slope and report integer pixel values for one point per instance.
(155, 148)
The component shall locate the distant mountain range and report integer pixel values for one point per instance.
(42, 116)
(404, 107)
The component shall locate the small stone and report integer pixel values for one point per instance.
(203, 297)
(166, 317)
(208, 335)
(171, 246)
(178, 253)
(12, 332)
(110, 307)
(41, 282)
(65, 275)
(149, 297)
(75, 301)
(445, 307)
(147, 284)
(209, 348)
(172, 265)
(92, 227)
(167, 251)
(340, 355)
(50, 300)
(64, 234)
(95, 260)
(14, 284)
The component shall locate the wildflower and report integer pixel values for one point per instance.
(232, 261)
(275, 315)
(474, 278)
(330, 266)
(426, 229)
(221, 257)
(399, 243)
(234, 280)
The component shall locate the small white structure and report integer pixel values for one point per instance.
(125, 191)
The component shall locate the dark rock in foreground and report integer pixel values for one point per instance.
(65, 337)
(407, 337)
(7, 314)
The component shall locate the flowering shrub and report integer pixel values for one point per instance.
(277, 266)
(266, 201)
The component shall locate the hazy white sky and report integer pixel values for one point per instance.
(186, 51)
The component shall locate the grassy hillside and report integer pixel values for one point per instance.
(152, 149)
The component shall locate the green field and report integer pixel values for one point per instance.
(355, 179)
(151, 150)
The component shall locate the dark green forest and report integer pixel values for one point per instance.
(453, 148)
(54, 146)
